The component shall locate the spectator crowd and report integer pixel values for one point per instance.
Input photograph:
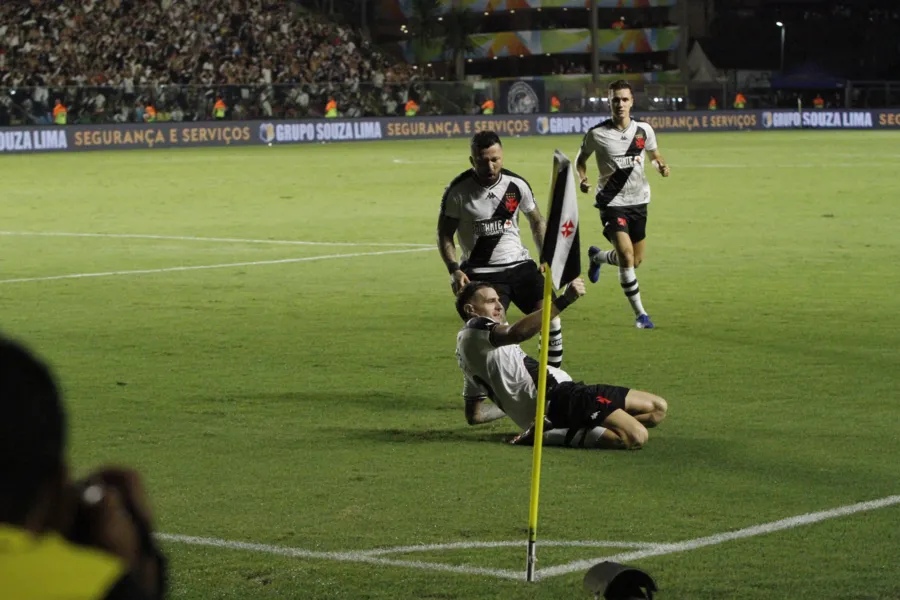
(109, 59)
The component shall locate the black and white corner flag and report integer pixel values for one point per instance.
(562, 250)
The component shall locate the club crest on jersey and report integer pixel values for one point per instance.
(491, 227)
(640, 139)
(511, 202)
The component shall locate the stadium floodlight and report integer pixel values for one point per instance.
(783, 32)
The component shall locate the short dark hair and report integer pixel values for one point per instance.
(466, 295)
(484, 140)
(32, 430)
(620, 84)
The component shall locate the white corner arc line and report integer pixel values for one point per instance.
(358, 557)
(372, 557)
(781, 525)
(280, 261)
(190, 238)
(506, 544)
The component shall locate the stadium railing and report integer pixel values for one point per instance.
(100, 105)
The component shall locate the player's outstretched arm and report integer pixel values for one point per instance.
(660, 163)
(530, 325)
(446, 230)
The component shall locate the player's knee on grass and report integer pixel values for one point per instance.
(649, 408)
(637, 437)
(633, 434)
(660, 409)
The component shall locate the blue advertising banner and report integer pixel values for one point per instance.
(74, 138)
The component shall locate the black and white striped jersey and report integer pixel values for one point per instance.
(505, 374)
(621, 161)
(489, 220)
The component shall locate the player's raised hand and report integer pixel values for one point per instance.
(585, 186)
(575, 289)
(458, 281)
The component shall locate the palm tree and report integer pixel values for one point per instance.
(459, 25)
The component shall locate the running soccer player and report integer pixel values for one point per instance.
(481, 206)
(496, 368)
(623, 192)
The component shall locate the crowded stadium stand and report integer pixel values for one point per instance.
(124, 61)
(107, 60)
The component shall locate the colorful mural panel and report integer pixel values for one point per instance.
(555, 41)
(402, 9)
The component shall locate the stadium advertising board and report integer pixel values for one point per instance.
(247, 133)
(818, 119)
(38, 139)
(159, 135)
(432, 127)
(298, 132)
(888, 119)
(130, 136)
(678, 121)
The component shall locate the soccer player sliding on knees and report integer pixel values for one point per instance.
(497, 370)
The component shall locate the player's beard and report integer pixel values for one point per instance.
(487, 179)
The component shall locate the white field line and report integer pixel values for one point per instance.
(712, 540)
(190, 238)
(523, 544)
(356, 557)
(645, 550)
(202, 267)
(692, 165)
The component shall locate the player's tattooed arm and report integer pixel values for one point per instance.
(660, 163)
(478, 412)
(446, 230)
(538, 226)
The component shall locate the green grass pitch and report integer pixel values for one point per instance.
(307, 396)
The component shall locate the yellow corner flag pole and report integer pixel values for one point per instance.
(539, 426)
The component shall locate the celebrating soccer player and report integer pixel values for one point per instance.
(496, 367)
(482, 205)
(623, 191)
